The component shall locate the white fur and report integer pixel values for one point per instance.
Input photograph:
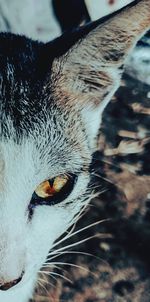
(25, 245)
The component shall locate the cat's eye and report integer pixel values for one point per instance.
(51, 187)
(53, 190)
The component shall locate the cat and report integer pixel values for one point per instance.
(52, 99)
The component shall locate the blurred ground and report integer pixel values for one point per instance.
(121, 269)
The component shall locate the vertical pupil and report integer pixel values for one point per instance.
(51, 182)
(51, 187)
(53, 191)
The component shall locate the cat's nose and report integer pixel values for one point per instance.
(8, 285)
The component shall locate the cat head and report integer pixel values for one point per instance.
(52, 99)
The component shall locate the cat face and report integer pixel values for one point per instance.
(52, 99)
(54, 145)
(41, 139)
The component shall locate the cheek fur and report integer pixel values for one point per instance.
(47, 225)
(50, 222)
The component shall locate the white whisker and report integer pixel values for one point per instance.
(73, 265)
(99, 176)
(79, 215)
(57, 274)
(71, 245)
(77, 232)
(42, 285)
(75, 252)
(46, 281)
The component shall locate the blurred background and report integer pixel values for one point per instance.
(37, 19)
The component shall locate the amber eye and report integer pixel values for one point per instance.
(51, 187)
(53, 190)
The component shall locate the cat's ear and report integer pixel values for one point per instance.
(87, 75)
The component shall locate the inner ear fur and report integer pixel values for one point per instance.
(90, 70)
